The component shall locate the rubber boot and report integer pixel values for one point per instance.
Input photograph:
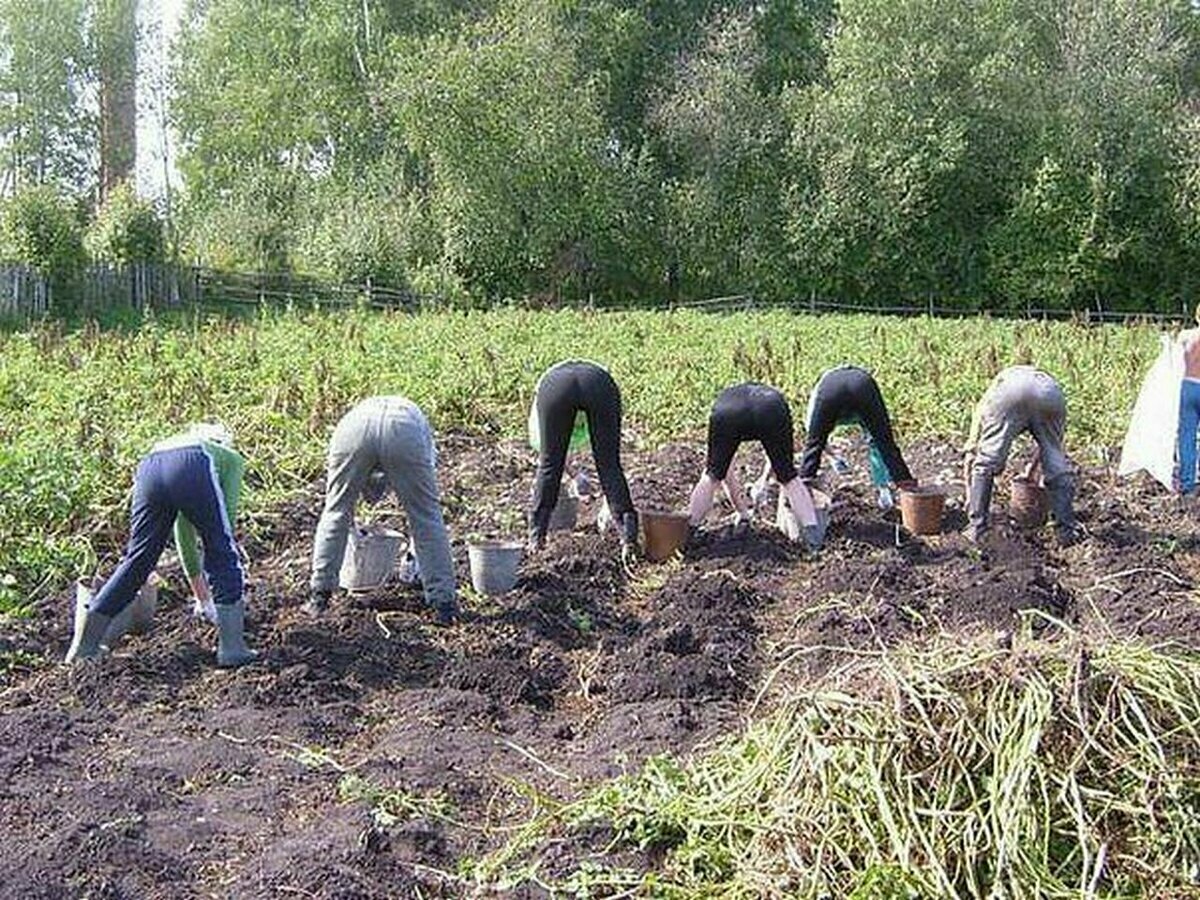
(317, 603)
(447, 613)
(629, 536)
(90, 627)
(814, 537)
(629, 528)
(537, 539)
(231, 642)
(979, 505)
(1062, 495)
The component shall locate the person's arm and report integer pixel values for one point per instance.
(230, 468)
(1034, 468)
(972, 439)
(758, 489)
(735, 493)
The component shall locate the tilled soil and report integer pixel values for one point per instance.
(153, 774)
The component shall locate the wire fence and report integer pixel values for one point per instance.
(26, 295)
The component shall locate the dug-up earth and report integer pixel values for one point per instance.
(153, 774)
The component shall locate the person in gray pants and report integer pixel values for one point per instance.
(384, 441)
(1020, 399)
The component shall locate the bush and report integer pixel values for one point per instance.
(40, 228)
(127, 230)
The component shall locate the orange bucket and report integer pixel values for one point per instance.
(1028, 504)
(666, 533)
(921, 509)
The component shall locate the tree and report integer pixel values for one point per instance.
(723, 140)
(1096, 218)
(127, 229)
(910, 152)
(115, 37)
(46, 131)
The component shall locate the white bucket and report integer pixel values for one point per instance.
(788, 522)
(135, 618)
(494, 565)
(370, 558)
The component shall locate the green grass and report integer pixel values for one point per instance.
(77, 409)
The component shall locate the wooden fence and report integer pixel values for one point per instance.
(26, 294)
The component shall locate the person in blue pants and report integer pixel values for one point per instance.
(1189, 407)
(197, 476)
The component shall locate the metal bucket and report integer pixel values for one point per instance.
(665, 534)
(494, 565)
(921, 509)
(370, 558)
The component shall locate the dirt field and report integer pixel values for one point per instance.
(153, 774)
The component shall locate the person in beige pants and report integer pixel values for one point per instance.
(1020, 399)
(384, 441)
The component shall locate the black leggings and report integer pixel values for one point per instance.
(563, 392)
(844, 394)
(751, 412)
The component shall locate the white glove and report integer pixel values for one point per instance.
(603, 518)
(758, 494)
(204, 609)
(886, 500)
(409, 571)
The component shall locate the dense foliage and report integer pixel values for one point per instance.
(1009, 153)
(74, 413)
(1006, 154)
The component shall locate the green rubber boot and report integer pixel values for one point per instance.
(231, 642)
(90, 627)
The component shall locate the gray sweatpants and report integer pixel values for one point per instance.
(1022, 398)
(391, 435)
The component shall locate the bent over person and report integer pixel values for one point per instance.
(752, 412)
(1189, 407)
(848, 395)
(384, 441)
(1019, 399)
(568, 392)
(190, 483)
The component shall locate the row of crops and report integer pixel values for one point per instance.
(78, 408)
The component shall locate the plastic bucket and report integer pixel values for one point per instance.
(494, 565)
(370, 558)
(1028, 504)
(565, 513)
(665, 534)
(921, 509)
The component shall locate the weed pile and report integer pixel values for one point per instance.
(1052, 770)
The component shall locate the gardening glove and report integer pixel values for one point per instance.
(375, 488)
(409, 570)
(604, 518)
(886, 500)
(204, 609)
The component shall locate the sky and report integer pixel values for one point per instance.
(159, 23)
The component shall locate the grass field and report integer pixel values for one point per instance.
(77, 409)
(891, 718)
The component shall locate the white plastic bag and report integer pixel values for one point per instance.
(1150, 442)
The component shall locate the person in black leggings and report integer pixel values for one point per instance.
(752, 412)
(849, 395)
(569, 394)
